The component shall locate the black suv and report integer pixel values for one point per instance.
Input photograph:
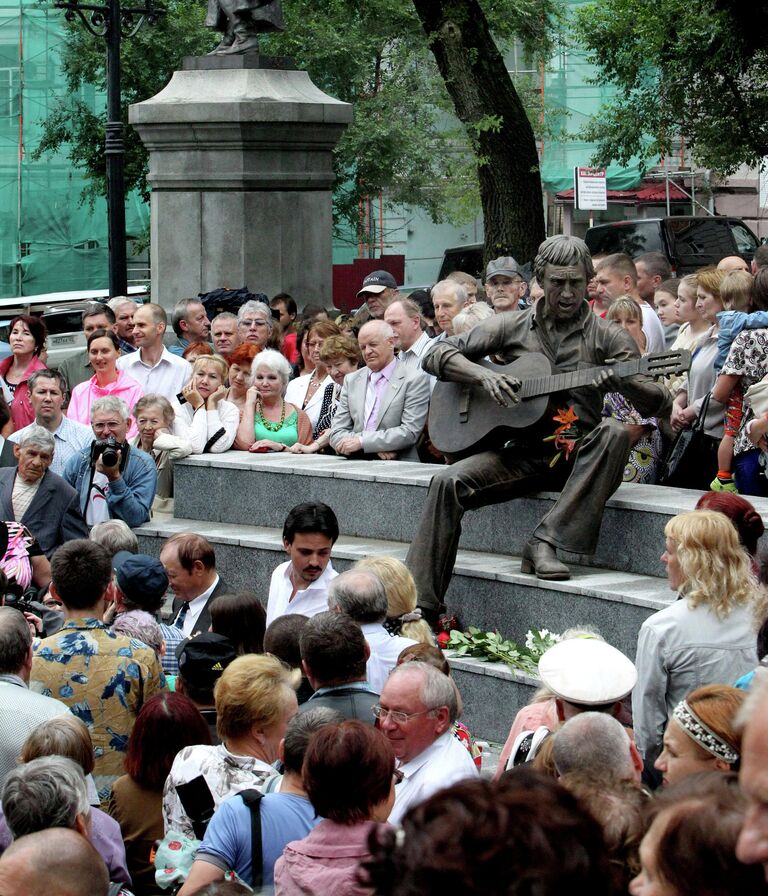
(689, 243)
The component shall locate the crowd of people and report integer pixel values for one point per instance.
(211, 745)
(269, 380)
(165, 732)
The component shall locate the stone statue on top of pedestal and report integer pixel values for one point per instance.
(241, 22)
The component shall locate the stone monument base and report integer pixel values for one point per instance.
(240, 166)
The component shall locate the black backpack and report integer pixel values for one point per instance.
(231, 300)
(197, 800)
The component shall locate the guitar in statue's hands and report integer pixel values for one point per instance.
(462, 415)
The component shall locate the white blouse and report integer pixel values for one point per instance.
(297, 392)
(200, 426)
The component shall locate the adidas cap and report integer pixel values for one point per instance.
(203, 658)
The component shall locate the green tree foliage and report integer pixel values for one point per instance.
(405, 141)
(485, 99)
(148, 59)
(683, 68)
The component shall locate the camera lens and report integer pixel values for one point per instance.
(109, 457)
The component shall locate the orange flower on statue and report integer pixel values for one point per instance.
(566, 435)
(565, 417)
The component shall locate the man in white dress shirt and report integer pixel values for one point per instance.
(404, 316)
(190, 564)
(360, 594)
(47, 389)
(416, 710)
(153, 366)
(300, 585)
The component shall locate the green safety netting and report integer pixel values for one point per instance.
(571, 100)
(49, 241)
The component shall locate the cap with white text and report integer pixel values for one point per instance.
(378, 281)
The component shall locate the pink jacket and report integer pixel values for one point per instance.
(21, 407)
(327, 860)
(84, 395)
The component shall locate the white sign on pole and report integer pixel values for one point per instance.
(589, 188)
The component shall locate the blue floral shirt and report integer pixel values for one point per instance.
(105, 678)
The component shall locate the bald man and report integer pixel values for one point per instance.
(732, 263)
(383, 406)
(54, 862)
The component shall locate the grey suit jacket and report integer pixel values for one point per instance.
(402, 412)
(7, 457)
(54, 515)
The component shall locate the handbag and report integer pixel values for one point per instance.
(682, 465)
(757, 397)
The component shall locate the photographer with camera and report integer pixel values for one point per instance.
(113, 480)
(39, 499)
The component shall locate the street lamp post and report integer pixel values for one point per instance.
(113, 22)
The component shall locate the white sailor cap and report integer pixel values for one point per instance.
(587, 671)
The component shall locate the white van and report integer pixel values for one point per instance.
(61, 312)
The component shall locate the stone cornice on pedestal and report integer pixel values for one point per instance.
(261, 123)
(241, 171)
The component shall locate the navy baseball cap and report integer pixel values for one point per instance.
(378, 281)
(140, 577)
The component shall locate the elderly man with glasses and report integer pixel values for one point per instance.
(417, 707)
(119, 485)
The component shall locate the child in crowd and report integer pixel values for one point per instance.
(646, 438)
(664, 302)
(746, 303)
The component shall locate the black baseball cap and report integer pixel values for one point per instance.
(203, 658)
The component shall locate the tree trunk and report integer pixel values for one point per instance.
(482, 91)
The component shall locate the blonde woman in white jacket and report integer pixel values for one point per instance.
(203, 416)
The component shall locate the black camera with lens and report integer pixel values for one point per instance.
(25, 601)
(107, 450)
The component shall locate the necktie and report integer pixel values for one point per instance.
(182, 615)
(378, 382)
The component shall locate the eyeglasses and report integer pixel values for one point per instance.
(399, 718)
(253, 323)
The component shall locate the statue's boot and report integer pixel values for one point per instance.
(539, 557)
(245, 39)
(226, 41)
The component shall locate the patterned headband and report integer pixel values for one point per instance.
(687, 719)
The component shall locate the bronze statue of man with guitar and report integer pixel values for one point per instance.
(493, 422)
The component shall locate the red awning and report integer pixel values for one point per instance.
(652, 192)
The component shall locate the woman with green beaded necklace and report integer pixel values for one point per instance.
(269, 422)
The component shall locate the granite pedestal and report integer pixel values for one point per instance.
(240, 166)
